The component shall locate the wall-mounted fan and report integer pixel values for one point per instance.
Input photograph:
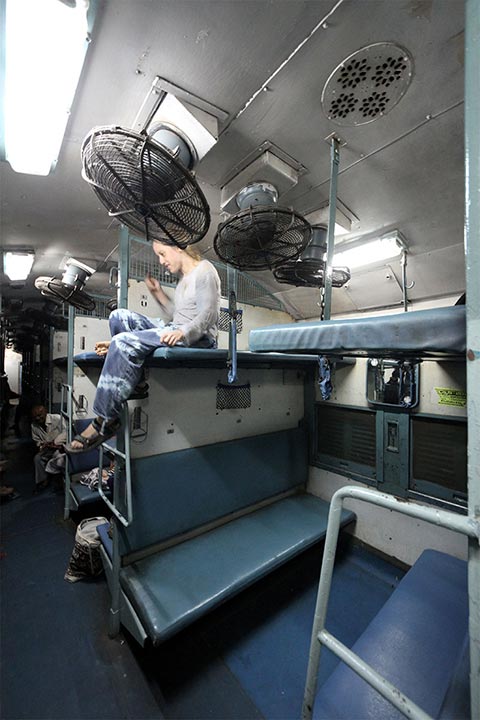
(262, 235)
(309, 269)
(145, 181)
(69, 288)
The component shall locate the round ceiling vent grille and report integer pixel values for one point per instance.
(367, 84)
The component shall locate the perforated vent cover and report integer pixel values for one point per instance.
(367, 84)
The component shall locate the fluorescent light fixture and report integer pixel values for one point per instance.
(367, 252)
(46, 42)
(17, 264)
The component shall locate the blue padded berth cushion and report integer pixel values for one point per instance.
(83, 494)
(172, 588)
(416, 641)
(439, 332)
(168, 357)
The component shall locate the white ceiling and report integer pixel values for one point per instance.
(404, 170)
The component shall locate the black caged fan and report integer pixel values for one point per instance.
(144, 180)
(309, 269)
(262, 235)
(69, 288)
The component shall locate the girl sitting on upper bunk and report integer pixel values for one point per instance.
(193, 323)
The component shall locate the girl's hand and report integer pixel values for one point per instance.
(101, 348)
(172, 337)
(152, 284)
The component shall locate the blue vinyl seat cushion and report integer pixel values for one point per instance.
(83, 494)
(175, 586)
(416, 641)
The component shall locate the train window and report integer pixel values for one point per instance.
(439, 458)
(346, 441)
(392, 383)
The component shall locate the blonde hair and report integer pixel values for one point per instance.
(189, 250)
(192, 252)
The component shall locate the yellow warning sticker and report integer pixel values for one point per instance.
(451, 396)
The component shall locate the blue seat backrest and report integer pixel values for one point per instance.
(82, 462)
(179, 491)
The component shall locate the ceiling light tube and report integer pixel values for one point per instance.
(17, 264)
(368, 252)
(45, 46)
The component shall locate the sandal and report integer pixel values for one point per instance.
(103, 432)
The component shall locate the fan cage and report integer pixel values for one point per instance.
(54, 289)
(262, 238)
(310, 273)
(144, 186)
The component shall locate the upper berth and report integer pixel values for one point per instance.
(169, 357)
(439, 333)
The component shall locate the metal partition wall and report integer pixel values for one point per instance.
(472, 249)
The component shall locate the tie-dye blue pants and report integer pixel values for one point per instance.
(134, 336)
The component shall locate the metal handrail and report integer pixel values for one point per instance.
(444, 518)
(124, 454)
(66, 394)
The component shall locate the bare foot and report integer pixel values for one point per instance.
(101, 348)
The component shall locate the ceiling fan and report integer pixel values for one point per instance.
(69, 288)
(309, 269)
(145, 181)
(262, 235)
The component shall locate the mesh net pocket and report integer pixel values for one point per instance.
(224, 320)
(231, 397)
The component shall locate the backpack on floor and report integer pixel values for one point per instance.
(85, 560)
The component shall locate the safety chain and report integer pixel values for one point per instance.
(322, 303)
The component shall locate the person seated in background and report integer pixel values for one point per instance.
(6, 492)
(49, 434)
(193, 323)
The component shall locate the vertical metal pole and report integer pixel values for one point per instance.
(232, 278)
(332, 207)
(68, 389)
(123, 268)
(321, 607)
(50, 369)
(472, 252)
(70, 350)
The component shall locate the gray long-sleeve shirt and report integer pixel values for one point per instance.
(196, 305)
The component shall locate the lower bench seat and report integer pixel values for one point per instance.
(79, 464)
(207, 522)
(82, 493)
(418, 641)
(172, 588)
